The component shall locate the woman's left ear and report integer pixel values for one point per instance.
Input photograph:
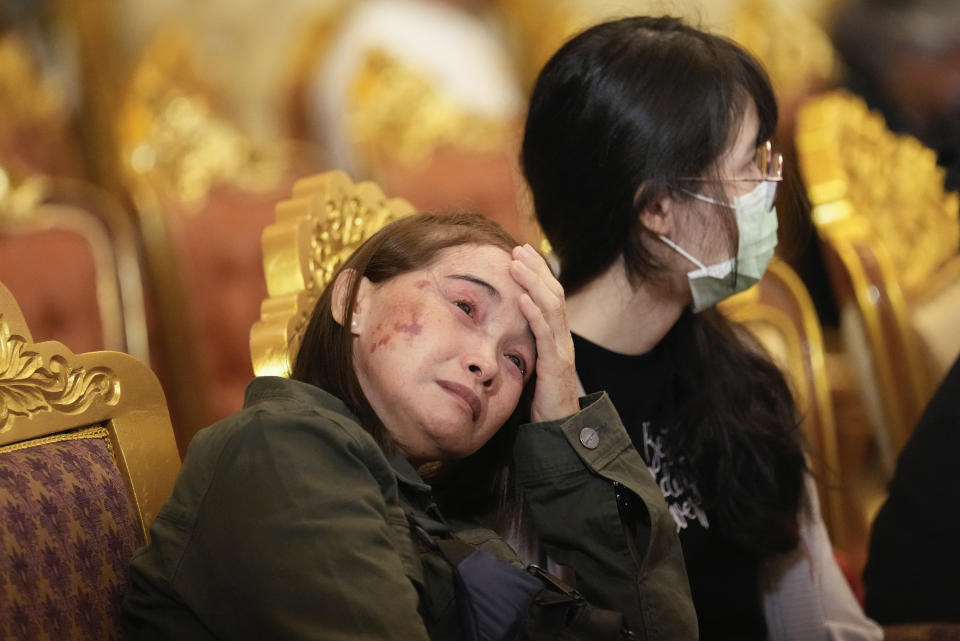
(658, 215)
(341, 298)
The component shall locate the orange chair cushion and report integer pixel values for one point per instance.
(53, 277)
(223, 273)
(68, 526)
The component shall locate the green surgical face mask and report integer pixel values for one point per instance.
(757, 229)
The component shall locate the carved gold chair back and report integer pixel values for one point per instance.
(70, 254)
(203, 192)
(779, 313)
(890, 235)
(87, 457)
(314, 232)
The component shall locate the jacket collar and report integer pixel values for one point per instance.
(406, 474)
(266, 388)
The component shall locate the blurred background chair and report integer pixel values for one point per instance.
(779, 313)
(87, 456)
(202, 192)
(70, 255)
(419, 96)
(903, 58)
(37, 132)
(890, 235)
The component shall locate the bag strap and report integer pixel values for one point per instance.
(438, 536)
(558, 612)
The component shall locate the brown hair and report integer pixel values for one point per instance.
(325, 357)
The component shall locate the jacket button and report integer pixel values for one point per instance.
(589, 438)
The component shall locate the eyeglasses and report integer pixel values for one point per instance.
(770, 165)
(769, 162)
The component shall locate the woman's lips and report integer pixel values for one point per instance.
(464, 393)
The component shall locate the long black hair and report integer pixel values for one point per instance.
(619, 116)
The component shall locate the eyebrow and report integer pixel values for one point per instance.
(496, 294)
(478, 281)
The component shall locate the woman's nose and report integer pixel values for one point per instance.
(483, 364)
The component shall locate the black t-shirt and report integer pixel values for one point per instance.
(723, 579)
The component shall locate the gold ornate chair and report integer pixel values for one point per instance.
(70, 255)
(203, 192)
(779, 313)
(890, 236)
(87, 457)
(327, 218)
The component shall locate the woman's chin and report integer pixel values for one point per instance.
(453, 446)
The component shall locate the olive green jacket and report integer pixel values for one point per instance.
(287, 521)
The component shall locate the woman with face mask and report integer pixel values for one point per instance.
(648, 156)
(308, 515)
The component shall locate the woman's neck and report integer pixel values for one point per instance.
(620, 317)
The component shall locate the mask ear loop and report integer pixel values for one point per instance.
(682, 251)
(771, 196)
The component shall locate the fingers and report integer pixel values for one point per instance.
(556, 390)
(543, 307)
(548, 320)
(533, 274)
(537, 276)
(543, 333)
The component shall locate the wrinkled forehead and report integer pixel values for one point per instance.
(488, 268)
(487, 262)
(470, 253)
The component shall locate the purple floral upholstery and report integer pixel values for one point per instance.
(68, 526)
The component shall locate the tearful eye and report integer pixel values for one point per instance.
(467, 308)
(519, 363)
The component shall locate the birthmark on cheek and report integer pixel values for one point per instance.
(421, 284)
(381, 343)
(413, 328)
